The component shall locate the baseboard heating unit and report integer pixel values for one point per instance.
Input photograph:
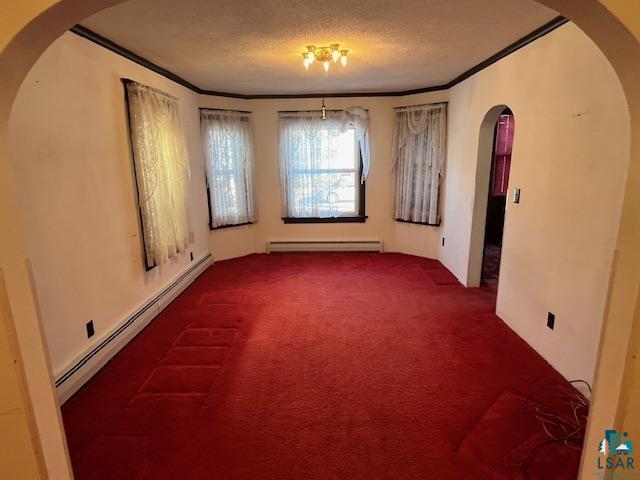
(86, 365)
(274, 246)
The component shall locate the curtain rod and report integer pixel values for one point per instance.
(309, 111)
(224, 110)
(128, 81)
(316, 111)
(431, 105)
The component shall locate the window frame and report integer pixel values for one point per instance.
(126, 82)
(439, 196)
(208, 187)
(210, 212)
(359, 216)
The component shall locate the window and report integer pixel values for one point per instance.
(321, 169)
(162, 172)
(228, 152)
(419, 149)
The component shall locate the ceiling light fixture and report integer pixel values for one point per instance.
(324, 55)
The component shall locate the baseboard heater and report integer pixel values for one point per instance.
(88, 364)
(324, 246)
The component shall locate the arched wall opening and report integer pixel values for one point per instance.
(483, 173)
(31, 26)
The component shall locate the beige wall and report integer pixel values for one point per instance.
(18, 442)
(397, 237)
(570, 159)
(72, 165)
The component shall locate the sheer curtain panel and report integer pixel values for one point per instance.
(358, 119)
(162, 172)
(319, 166)
(419, 151)
(228, 152)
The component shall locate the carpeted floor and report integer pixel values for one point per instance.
(491, 262)
(319, 366)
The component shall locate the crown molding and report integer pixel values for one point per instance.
(514, 47)
(128, 54)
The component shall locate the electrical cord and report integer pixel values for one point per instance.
(563, 428)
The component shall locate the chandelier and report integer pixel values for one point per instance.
(325, 55)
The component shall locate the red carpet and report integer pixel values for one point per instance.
(318, 366)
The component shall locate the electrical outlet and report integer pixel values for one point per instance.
(191, 255)
(551, 320)
(90, 329)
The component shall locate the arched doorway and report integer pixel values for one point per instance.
(497, 198)
(30, 26)
(490, 196)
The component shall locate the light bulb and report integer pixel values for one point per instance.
(310, 53)
(335, 52)
(305, 62)
(325, 64)
(343, 58)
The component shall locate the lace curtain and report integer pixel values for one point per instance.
(228, 152)
(419, 151)
(162, 172)
(315, 165)
(311, 151)
(358, 119)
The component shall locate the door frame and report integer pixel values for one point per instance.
(486, 146)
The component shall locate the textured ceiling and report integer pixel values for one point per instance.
(255, 46)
